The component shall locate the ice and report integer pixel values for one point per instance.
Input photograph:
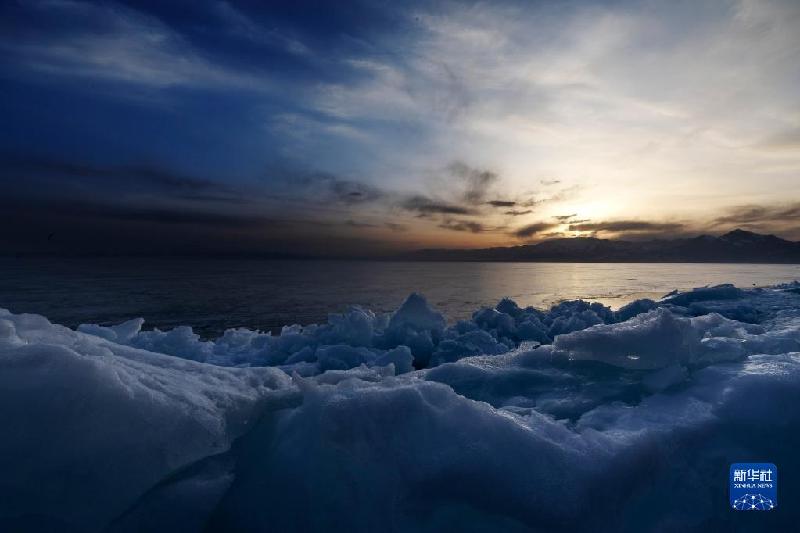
(91, 424)
(475, 342)
(574, 418)
(346, 341)
(664, 378)
(634, 308)
(363, 337)
(400, 357)
(417, 326)
(649, 341)
(717, 292)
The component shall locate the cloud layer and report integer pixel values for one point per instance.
(406, 125)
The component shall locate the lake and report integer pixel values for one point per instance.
(214, 294)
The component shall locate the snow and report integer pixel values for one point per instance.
(572, 418)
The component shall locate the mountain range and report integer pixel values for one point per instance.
(737, 246)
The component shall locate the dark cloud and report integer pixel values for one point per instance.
(70, 228)
(330, 187)
(424, 205)
(522, 202)
(620, 226)
(357, 224)
(72, 176)
(531, 201)
(477, 182)
(396, 227)
(474, 192)
(564, 218)
(750, 214)
(463, 225)
(533, 229)
(393, 226)
(781, 219)
(152, 215)
(164, 216)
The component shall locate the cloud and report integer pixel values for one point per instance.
(57, 177)
(394, 226)
(748, 214)
(564, 218)
(159, 194)
(332, 187)
(428, 206)
(783, 219)
(463, 225)
(476, 181)
(240, 26)
(165, 216)
(114, 43)
(592, 93)
(328, 190)
(563, 194)
(496, 82)
(533, 229)
(620, 226)
(73, 228)
(783, 140)
(356, 224)
(154, 215)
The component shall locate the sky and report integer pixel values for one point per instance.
(366, 128)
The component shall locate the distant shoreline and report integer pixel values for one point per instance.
(250, 257)
(735, 247)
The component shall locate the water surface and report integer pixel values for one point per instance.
(214, 294)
